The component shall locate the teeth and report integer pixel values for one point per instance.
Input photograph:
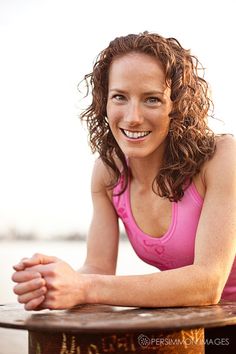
(135, 135)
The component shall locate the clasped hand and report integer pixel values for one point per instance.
(45, 282)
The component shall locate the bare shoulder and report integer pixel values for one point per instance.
(222, 166)
(101, 178)
(225, 141)
(225, 150)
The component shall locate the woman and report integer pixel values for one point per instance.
(164, 173)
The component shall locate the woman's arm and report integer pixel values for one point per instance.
(103, 236)
(198, 284)
(49, 282)
(201, 283)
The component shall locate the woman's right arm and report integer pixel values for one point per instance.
(103, 236)
(102, 245)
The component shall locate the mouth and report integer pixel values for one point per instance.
(135, 134)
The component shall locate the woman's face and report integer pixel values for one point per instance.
(138, 105)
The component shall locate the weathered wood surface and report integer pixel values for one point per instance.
(168, 342)
(99, 318)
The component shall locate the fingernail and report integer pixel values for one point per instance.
(18, 266)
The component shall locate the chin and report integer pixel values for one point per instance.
(135, 154)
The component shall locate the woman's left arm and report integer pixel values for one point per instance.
(202, 282)
(198, 284)
(215, 247)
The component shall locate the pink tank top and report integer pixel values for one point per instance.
(175, 248)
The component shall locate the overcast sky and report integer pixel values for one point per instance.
(46, 48)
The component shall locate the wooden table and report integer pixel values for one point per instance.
(93, 329)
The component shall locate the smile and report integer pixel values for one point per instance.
(135, 135)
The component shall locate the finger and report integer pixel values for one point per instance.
(34, 304)
(23, 276)
(25, 298)
(38, 258)
(26, 287)
(46, 305)
(42, 269)
(20, 265)
(42, 306)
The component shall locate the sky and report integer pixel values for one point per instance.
(47, 46)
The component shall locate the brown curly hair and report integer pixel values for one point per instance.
(190, 141)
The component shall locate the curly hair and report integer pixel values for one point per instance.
(190, 142)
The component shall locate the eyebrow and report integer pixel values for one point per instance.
(148, 93)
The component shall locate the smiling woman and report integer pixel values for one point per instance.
(138, 105)
(164, 77)
(164, 173)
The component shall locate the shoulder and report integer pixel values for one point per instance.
(102, 177)
(221, 168)
(225, 141)
(224, 155)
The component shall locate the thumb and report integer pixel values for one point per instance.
(38, 258)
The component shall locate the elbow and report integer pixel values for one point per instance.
(214, 290)
(207, 289)
(213, 298)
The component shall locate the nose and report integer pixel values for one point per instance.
(133, 114)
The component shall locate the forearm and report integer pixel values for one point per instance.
(91, 269)
(187, 286)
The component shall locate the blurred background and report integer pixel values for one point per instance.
(46, 47)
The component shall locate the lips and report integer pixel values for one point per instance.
(135, 134)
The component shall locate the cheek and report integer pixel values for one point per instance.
(110, 111)
(112, 121)
(113, 115)
(163, 125)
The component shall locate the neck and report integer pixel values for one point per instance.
(144, 170)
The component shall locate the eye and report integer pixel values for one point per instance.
(153, 100)
(118, 98)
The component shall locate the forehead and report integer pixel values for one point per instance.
(137, 69)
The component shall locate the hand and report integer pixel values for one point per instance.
(31, 289)
(64, 286)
